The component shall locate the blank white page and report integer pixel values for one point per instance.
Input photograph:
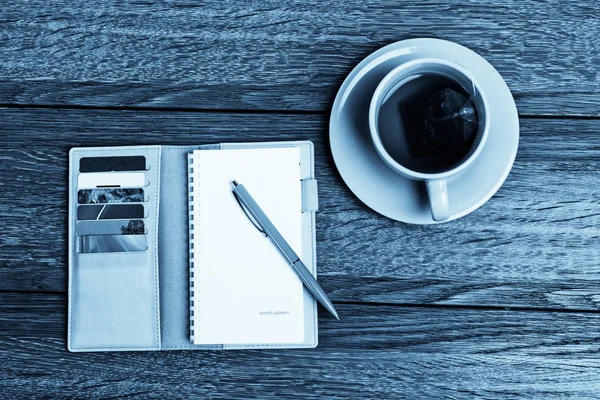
(245, 292)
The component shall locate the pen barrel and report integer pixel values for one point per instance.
(263, 223)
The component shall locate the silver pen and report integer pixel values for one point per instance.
(266, 227)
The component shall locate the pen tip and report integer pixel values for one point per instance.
(234, 183)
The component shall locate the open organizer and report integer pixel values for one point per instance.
(140, 300)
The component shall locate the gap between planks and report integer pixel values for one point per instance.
(240, 111)
(386, 304)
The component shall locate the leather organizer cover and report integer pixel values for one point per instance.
(141, 300)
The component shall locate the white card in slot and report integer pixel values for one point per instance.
(111, 179)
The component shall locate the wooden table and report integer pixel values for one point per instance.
(503, 302)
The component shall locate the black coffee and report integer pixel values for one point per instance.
(429, 124)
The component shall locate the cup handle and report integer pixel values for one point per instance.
(438, 199)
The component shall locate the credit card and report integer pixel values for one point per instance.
(111, 227)
(99, 196)
(107, 164)
(112, 243)
(98, 180)
(110, 211)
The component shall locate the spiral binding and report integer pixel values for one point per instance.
(191, 239)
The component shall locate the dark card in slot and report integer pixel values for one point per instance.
(112, 243)
(99, 196)
(111, 227)
(107, 164)
(110, 211)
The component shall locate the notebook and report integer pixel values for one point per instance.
(161, 257)
(243, 290)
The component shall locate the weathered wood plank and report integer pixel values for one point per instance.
(535, 244)
(372, 352)
(274, 55)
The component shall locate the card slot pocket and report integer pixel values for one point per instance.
(113, 163)
(113, 301)
(112, 243)
(113, 252)
(112, 196)
(91, 212)
(111, 227)
(112, 180)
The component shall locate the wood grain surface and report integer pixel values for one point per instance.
(372, 352)
(501, 303)
(273, 55)
(535, 244)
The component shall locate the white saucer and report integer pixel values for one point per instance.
(391, 194)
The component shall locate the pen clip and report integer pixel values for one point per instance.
(252, 220)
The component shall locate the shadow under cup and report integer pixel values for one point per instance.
(415, 84)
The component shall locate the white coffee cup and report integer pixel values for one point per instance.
(436, 182)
